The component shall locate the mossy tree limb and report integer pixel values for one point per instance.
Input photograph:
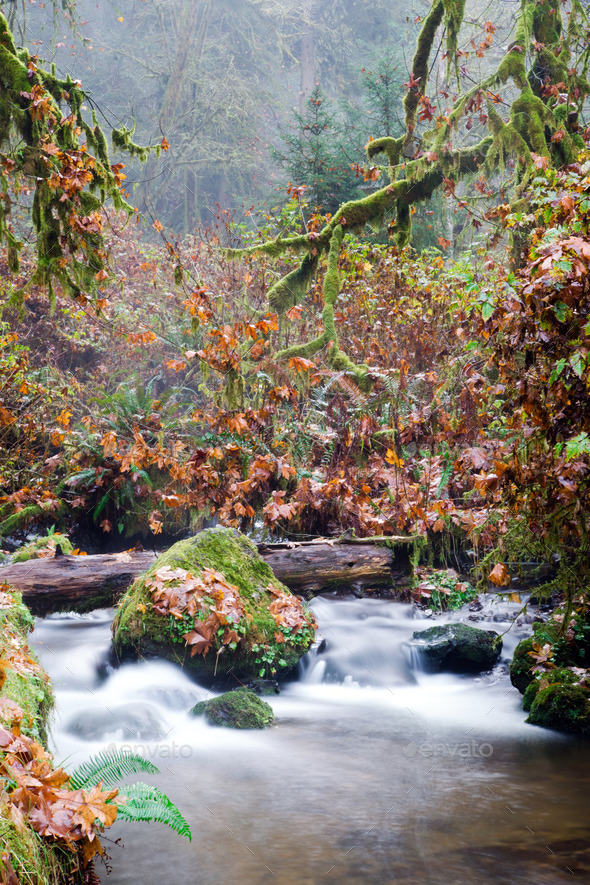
(48, 146)
(546, 62)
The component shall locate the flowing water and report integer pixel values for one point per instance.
(375, 773)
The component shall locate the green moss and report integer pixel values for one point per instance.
(529, 116)
(29, 686)
(454, 11)
(240, 708)
(420, 63)
(522, 664)
(560, 675)
(36, 548)
(562, 707)
(146, 633)
(19, 519)
(292, 288)
(547, 25)
(32, 860)
(392, 147)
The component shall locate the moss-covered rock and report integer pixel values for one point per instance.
(562, 648)
(562, 707)
(50, 545)
(458, 648)
(521, 665)
(240, 708)
(560, 675)
(270, 628)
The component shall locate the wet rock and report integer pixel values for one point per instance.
(264, 687)
(458, 648)
(562, 707)
(240, 708)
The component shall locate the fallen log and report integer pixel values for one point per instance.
(84, 583)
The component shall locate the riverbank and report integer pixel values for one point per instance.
(26, 700)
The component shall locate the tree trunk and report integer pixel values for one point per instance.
(307, 56)
(83, 583)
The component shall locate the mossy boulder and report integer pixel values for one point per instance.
(49, 546)
(560, 675)
(564, 648)
(521, 665)
(562, 707)
(240, 708)
(458, 648)
(270, 627)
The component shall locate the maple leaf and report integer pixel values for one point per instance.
(500, 575)
(300, 364)
(412, 82)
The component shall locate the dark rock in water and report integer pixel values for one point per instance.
(240, 708)
(135, 721)
(458, 648)
(562, 707)
(264, 687)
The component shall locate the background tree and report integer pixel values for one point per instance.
(316, 157)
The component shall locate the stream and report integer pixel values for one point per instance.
(375, 773)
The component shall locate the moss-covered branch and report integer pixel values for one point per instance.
(543, 120)
(48, 145)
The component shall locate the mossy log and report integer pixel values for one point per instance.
(84, 583)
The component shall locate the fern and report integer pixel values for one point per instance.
(135, 802)
(110, 767)
(144, 802)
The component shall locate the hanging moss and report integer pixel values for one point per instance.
(420, 64)
(547, 24)
(454, 11)
(233, 390)
(529, 115)
(68, 249)
(506, 142)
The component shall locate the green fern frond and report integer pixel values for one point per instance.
(110, 767)
(144, 802)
